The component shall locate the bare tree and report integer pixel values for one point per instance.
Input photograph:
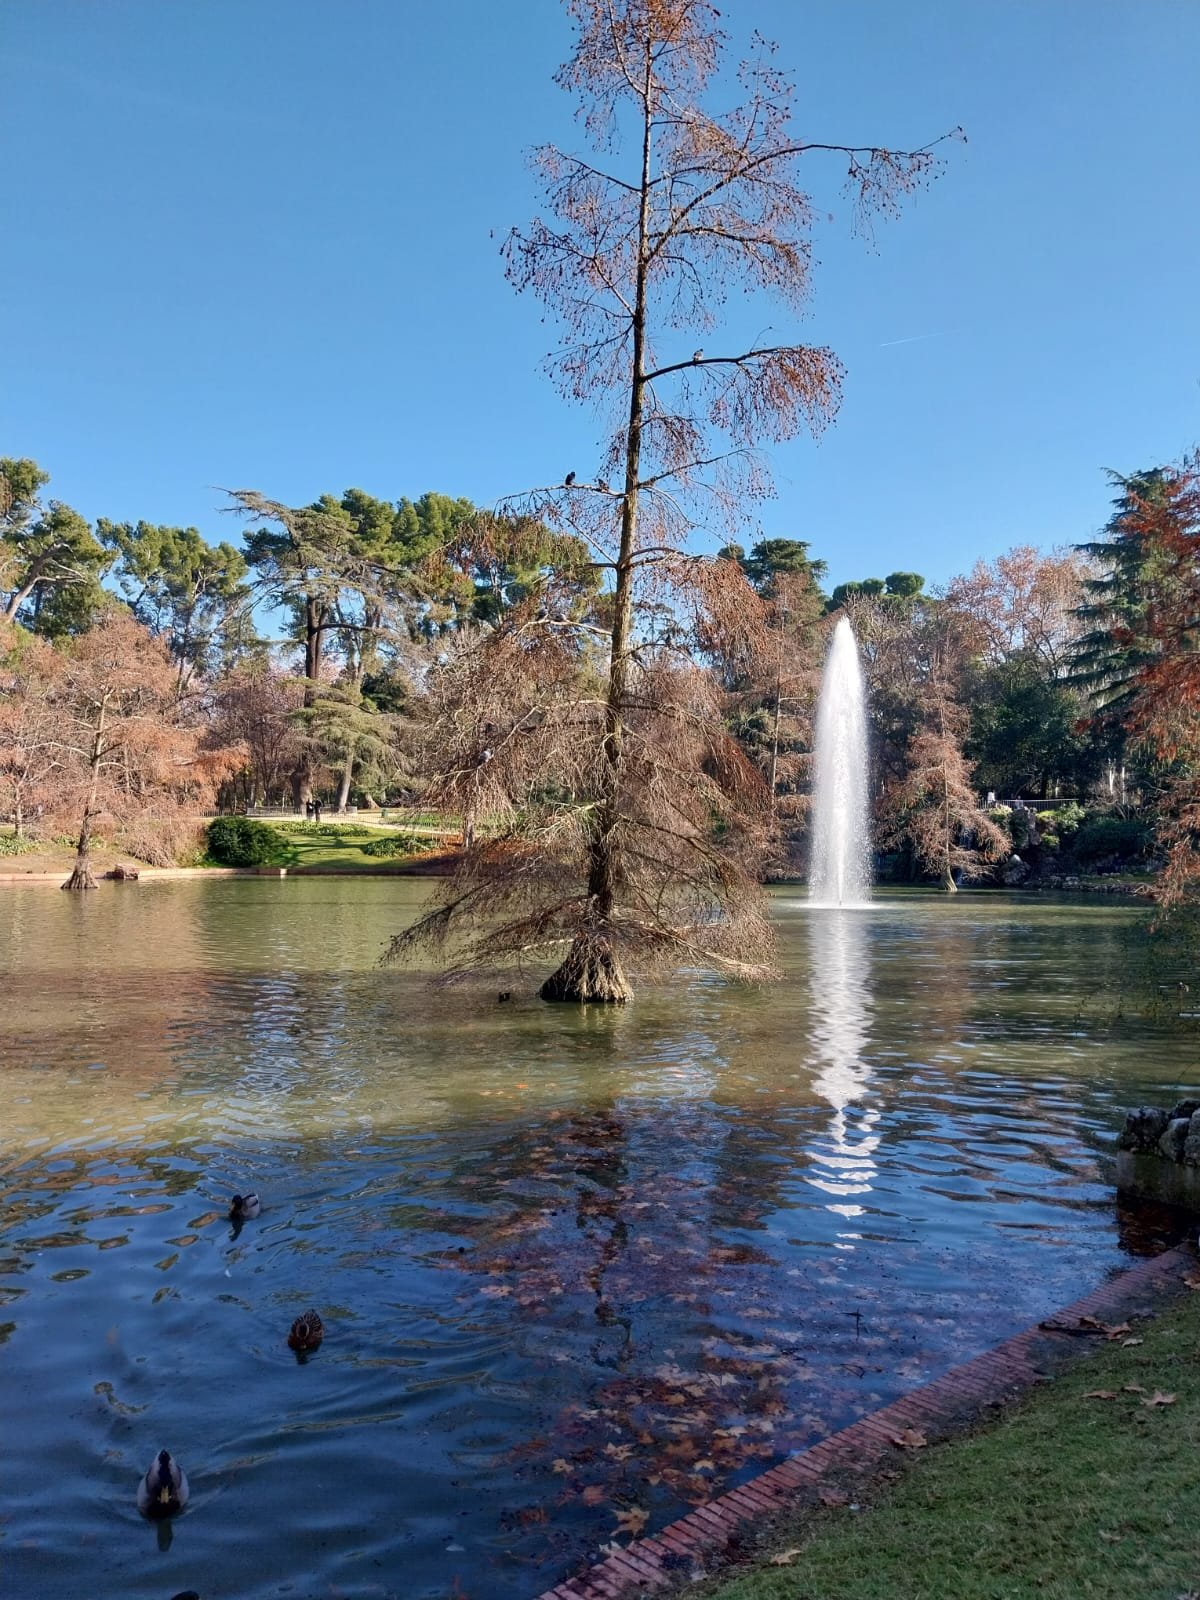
(636, 264)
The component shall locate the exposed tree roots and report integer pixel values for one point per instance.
(590, 974)
(81, 877)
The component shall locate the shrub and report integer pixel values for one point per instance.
(164, 841)
(10, 845)
(1064, 819)
(400, 844)
(1111, 836)
(241, 842)
(326, 830)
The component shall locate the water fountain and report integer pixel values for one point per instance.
(840, 871)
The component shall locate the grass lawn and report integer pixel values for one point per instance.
(317, 848)
(1066, 1498)
(301, 850)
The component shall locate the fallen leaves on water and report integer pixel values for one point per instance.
(560, 1465)
(1159, 1398)
(632, 1520)
(594, 1495)
(910, 1439)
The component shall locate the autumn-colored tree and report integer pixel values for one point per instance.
(1029, 722)
(30, 725)
(126, 748)
(772, 678)
(936, 809)
(1163, 704)
(917, 659)
(1025, 603)
(256, 709)
(637, 262)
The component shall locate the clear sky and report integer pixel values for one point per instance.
(249, 243)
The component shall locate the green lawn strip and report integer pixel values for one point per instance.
(1063, 1498)
(302, 852)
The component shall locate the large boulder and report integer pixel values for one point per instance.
(1173, 1140)
(1191, 1145)
(1143, 1129)
(1015, 872)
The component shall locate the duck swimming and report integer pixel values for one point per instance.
(244, 1206)
(163, 1492)
(307, 1332)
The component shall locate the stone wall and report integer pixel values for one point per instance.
(1158, 1154)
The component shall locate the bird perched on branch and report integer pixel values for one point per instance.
(697, 355)
(164, 1490)
(602, 486)
(568, 480)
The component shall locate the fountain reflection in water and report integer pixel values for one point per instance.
(839, 874)
(843, 1160)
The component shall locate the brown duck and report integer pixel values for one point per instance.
(307, 1332)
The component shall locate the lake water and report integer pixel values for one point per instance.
(578, 1269)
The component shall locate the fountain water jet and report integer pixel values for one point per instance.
(840, 873)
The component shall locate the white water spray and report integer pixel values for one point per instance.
(840, 872)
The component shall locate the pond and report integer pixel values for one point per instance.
(577, 1269)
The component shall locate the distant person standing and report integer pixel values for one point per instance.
(308, 809)
(316, 810)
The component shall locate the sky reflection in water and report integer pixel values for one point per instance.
(573, 1267)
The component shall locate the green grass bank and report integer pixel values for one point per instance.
(1087, 1489)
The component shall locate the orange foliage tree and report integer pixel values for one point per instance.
(126, 745)
(30, 743)
(1164, 707)
(636, 260)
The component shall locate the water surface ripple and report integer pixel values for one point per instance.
(576, 1269)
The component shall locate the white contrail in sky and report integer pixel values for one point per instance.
(912, 339)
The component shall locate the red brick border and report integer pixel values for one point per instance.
(657, 1563)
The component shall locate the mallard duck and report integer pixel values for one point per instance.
(307, 1332)
(163, 1492)
(244, 1206)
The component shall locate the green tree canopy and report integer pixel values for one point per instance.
(191, 593)
(50, 563)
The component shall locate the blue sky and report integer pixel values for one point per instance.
(249, 244)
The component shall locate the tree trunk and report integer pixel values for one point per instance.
(18, 821)
(591, 970)
(302, 787)
(81, 876)
(947, 885)
(344, 786)
(591, 973)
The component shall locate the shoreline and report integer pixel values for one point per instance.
(709, 1540)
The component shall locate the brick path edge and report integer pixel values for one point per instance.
(686, 1547)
